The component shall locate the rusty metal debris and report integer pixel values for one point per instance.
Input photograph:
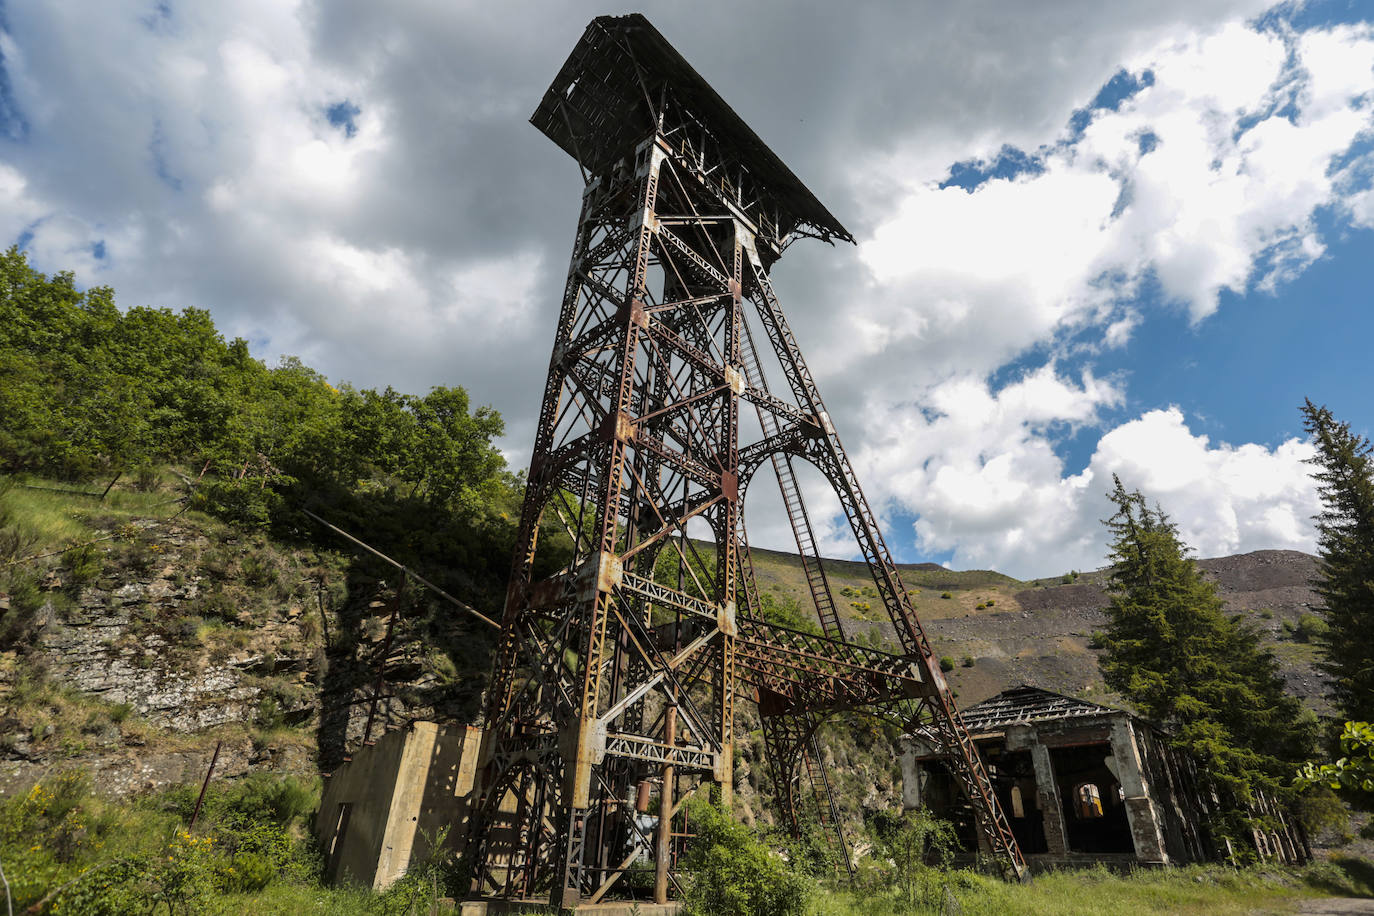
(624, 664)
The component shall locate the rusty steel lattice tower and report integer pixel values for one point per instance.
(622, 657)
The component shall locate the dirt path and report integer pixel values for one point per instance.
(1336, 906)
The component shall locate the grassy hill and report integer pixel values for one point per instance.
(1001, 631)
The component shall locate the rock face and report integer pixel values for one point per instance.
(96, 651)
(182, 638)
(173, 655)
(179, 634)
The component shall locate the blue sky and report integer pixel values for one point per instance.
(1092, 238)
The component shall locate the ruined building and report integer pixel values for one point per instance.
(1083, 783)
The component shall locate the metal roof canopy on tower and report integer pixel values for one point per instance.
(612, 93)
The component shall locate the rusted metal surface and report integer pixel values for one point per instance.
(626, 664)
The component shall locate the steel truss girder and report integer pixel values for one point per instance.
(625, 666)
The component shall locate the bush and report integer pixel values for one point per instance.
(946, 595)
(146, 478)
(946, 663)
(1310, 627)
(215, 604)
(966, 661)
(734, 874)
(259, 571)
(270, 714)
(245, 873)
(913, 850)
(26, 599)
(84, 564)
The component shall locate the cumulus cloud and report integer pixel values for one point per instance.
(355, 183)
(1210, 176)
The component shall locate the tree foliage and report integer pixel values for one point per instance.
(734, 874)
(87, 390)
(92, 390)
(1345, 539)
(1353, 771)
(1172, 650)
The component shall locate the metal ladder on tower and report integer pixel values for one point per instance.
(791, 496)
(816, 581)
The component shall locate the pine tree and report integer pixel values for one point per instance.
(1345, 541)
(1171, 649)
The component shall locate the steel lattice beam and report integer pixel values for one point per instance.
(625, 666)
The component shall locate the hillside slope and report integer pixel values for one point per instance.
(1040, 631)
(169, 631)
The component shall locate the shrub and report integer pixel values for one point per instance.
(84, 564)
(259, 571)
(245, 873)
(146, 478)
(946, 595)
(966, 661)
(215, 605)
(946, 663)
(26, 599)
(912, 851)
(1310, 627)
(270, 714)
(734, 874)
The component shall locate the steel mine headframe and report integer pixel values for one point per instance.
(618, 674)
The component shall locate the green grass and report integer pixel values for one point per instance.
(68, 850)
(52, 515)
(1202, 890)
(47, 521)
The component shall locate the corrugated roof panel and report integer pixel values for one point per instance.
(600, 105)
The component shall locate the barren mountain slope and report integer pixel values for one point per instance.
(999, 631)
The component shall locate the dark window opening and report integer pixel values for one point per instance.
(1013, 778)
(1091, 798)
(1088, 800)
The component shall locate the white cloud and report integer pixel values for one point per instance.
(1224, 200)
(1244, 144)
(427, 247)
(980, 470)
(1226, 499)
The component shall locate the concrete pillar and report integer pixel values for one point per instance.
(1141, 813)
(1047, 797)
(913, 772)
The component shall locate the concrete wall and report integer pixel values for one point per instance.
(392, 799)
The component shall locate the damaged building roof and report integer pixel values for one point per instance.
(1025, 703)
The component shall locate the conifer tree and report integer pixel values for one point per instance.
(1345, 541)
(1173, 651)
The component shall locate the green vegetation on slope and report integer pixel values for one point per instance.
(189, 421)
(91, 392)
(1171, 649)
(67, 850)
